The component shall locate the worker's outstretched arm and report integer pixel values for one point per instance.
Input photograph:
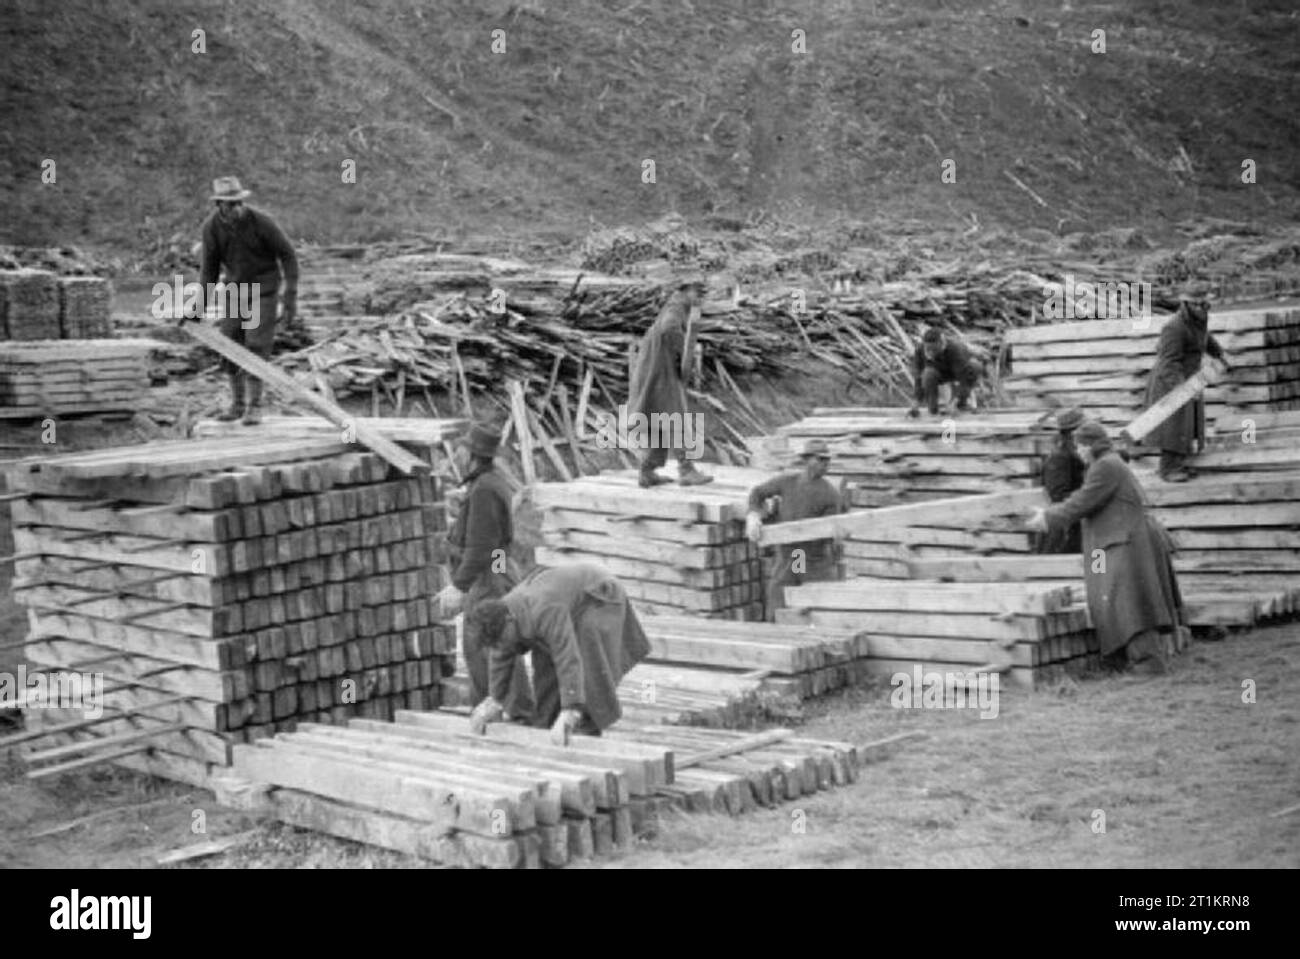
(1098, 487)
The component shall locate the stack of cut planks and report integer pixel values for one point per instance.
(29, 305)
(226, 589)
(884, 457)
(85, 308)
(1030, 632)
(427, 786)
(674, 549)
(52, 377)
(1102, 365)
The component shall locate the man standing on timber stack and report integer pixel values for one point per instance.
(940, 360)
(1063, 473)
(1184, 340)
(253, 249)
(1133, 595)
(480, 544)
(584, 637)
(802, 495)
(658, 384)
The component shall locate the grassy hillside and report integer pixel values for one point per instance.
(548, 137)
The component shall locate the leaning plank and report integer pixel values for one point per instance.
(1168, 405)
(282, 383)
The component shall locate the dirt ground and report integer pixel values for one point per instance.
(1185, 773)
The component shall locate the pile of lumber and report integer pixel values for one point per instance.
(1102, 365)
(227, 589)
(427, 786)
(53, 377)
(884, 457)
(85, 308)
(1030, 632)
(675, 549)
(29, 305)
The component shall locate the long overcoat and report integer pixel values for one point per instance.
(1126, 554)
(1184, 340)
(656, 382)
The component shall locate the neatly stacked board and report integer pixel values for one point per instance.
(426, 785)
(1020, 629)
(1102, 365)
(884, 457)
(29, 305)
(52, 377)
(674, 549)
(85, 308)
(253, 581)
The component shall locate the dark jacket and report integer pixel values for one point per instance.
(1126, 554)
(953, 364)
(1063, 473)
(483, 526)
(800, 499)
(580, 617)
(656, 383)
(253, 250)
(1183, 342)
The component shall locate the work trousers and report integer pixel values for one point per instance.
(931, 379)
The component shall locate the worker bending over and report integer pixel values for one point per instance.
(938, 360)
(801, 495)
(584, 637)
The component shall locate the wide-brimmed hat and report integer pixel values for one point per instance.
(483, 441)
(932, 335)
(228, 188)
(1069, 419)
(819, 448)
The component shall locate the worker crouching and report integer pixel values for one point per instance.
(584, 637)
(1133, 595)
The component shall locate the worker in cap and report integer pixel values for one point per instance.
(256, 256)
(801, 494)
(658, 383)
(1062, 474)
(1184, 342)
(579, 626)
(940, 359)
(482, 568)
(1133, 594)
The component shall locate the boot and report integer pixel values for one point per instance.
(253, 414)
(236, 399)
(648, 477)
(688, 475)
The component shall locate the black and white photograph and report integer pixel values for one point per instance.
(466, 435)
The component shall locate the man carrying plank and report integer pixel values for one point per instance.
(658, 385)
(254, 250)
(1133, 594)
(1063, 472)
(480, 543)
(801, 495)
(1184, 341)
(584, 637)
(940, 360)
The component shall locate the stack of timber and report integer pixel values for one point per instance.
(675, 549)
(1030, 632)
(226, 589)
(29, 304)
(53, 377)
(884, 457)
(1102, 365)
(85, 308)
(427, 786)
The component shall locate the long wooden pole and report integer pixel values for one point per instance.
(1168, 405)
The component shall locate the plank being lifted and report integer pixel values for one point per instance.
(282, 383)
(1169, 404)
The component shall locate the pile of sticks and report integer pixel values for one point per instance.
(427, 786)
(227, 589)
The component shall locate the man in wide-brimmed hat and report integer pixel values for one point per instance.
(942, 359)
(800, 495)
(1184, 341)
(658, 383)
(1133, 595)
(253, 250)
(482, 568)
(1063, 472)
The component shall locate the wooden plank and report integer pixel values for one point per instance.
(282, 383)
(863, 594)
(1169, 404)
